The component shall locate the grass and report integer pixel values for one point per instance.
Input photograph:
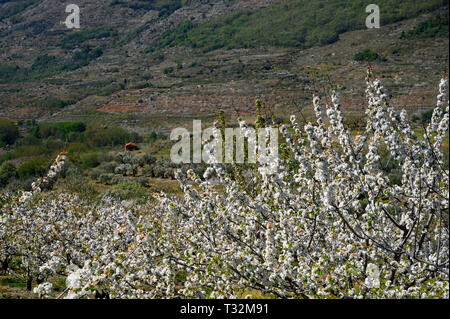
(13, 282)
(13, 288)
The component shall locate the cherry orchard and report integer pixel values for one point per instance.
(329, 222)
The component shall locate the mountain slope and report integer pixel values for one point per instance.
(150, 50)
(293, 23)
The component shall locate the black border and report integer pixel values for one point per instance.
(278, 308)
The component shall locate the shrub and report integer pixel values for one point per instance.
(77, 183)
(430, 28)
(8, 72)
(90, 160)
(366, 55)
(29, 140)
(148, 170)
(127, 189)
(169, 173)
(30, 151)
(106, 157)
(5, 157)
(153, 136)
(126, 169)
(148, 159)
(7, 171)
(22, 184)
(131, 169)
(158, 171)
(77, 148)
(108, 167)
(75, 137)
(168, 70)
(106, 178)
(415, 118)
(60, 130)
(143, 181)
(111, 136)
(54, 144)
(123, 157)
(9, 133)
(426, 116)
(83, 57)
(30, 169)
(95, 174)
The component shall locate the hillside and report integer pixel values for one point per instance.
(195, 57)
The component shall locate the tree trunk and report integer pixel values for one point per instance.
(29, 283)
(5, 265)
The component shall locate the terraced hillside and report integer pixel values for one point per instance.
(171, 59)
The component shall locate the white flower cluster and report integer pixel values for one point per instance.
(373, 276)
(329, 222)
(43, 290)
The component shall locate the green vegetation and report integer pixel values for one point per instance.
(83, 57)
(76, 38)
(30, 154)
(165, 7)
(7, 171)
(13, 282)
(367, 55)
(44, 63)
(60, 130)
(77, 132)
(52, 103)
(45, 66)
(77, 183)
(8, 133)
(111, 136)
(96, 164)
(30, 169)
(293, 23)
(7, 71)
(424, 118)
(131, 35)
(433, 27)
(90, 160)
(14, 9)
(168, 70)
(129, 189)
(174, 36)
